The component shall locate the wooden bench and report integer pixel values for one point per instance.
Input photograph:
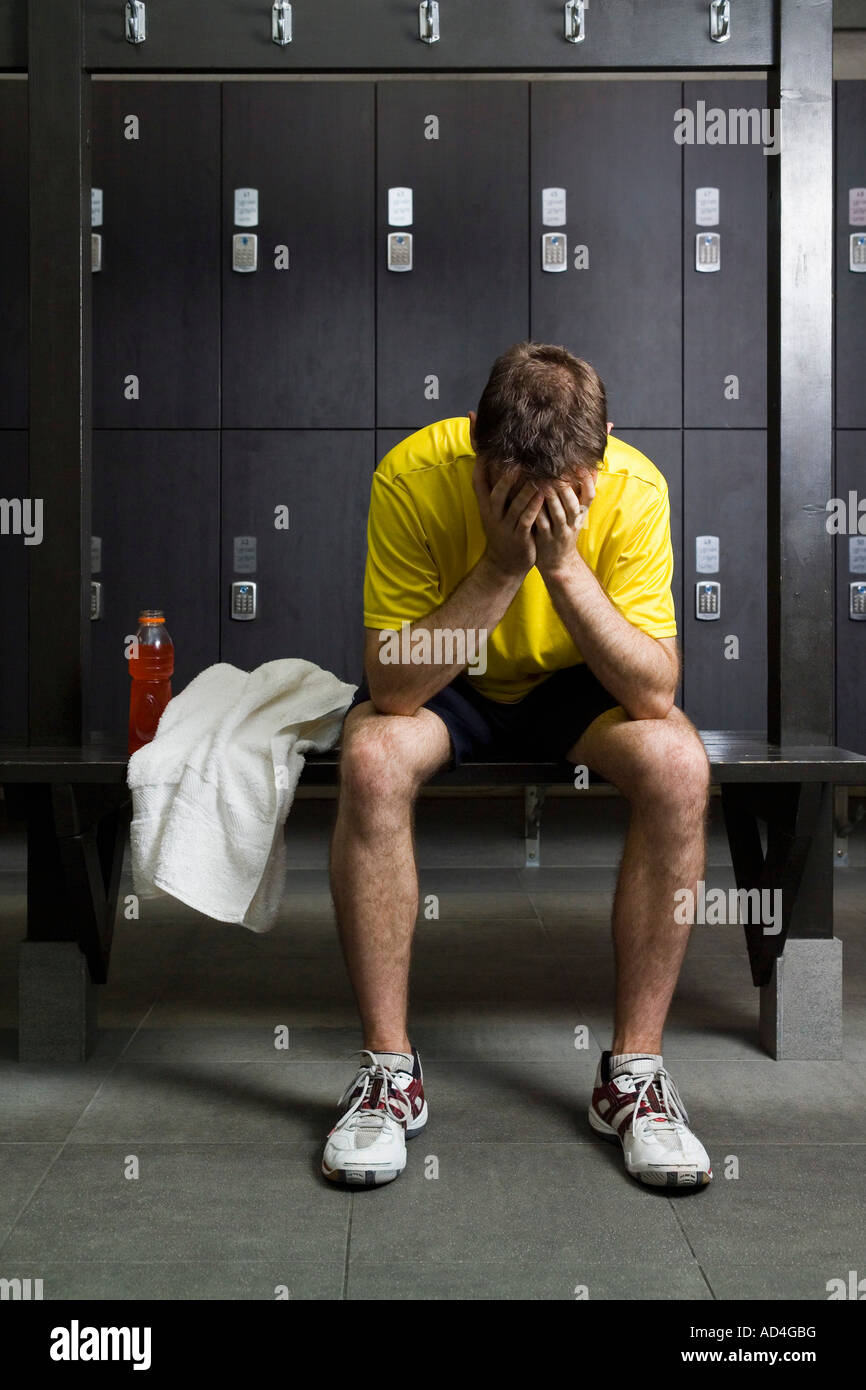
(75, 806)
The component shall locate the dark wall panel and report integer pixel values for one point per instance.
(725, 311)
(156, 512)
(13, 588)
(310, 575)
(850, 285)
(850, 568)
(610, 145)
(298, 343)
(466, 299)
(14, 259)
(724, 495)
(156, 300)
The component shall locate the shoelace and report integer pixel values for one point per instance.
(374, 1070)
(672, 1106)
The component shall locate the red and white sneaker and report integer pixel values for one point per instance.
(381, 1109)
(642, 1108)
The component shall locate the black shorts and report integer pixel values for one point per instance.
(541, 727)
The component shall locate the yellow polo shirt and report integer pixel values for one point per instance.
(424, 535)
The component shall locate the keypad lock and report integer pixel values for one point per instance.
(400, 251)
(708, 599)
(857, 600)
(243, 600)
(245, 251)
(857, 252)
(554, 251)
(708, 251)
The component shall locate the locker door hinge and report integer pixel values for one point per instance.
(281, 22)
(720, 20)
(136, 21)
(428, 21)
(575, 21)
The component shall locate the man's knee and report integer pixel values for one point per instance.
(670, 763)
(378, 758)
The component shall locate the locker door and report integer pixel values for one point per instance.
(850, 285)
(14, 260)
(156, 298)
(461, 147)
(725, 311)
(665, 449)
(294, 522)
(618, 304)
(850, 568)
(156, 517)
(13, 586)
(298, 331)
(724, 499)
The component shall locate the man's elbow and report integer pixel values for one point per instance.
(392, 702)
(653, 706)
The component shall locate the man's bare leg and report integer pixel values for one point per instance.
(661, 767)
(384, 761)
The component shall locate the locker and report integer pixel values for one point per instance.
(850, 568)
(156, 298)
(724, 500)
(13, 586)
(298, 336)
(850, 285)
(618, 304)
(294, 519)
(473, 34)
(725, 312)
(156, 514)
(14, 259)
(462, 148)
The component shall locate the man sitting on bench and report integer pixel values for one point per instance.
(527, 523)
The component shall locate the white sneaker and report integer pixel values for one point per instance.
(385, 1107)
(642, 1108)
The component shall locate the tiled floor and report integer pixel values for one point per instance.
(182, 1160)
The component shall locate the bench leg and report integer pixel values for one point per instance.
(798, 968)
(75, 843)
(533, 802)
(801, 1007)
(56, 1003)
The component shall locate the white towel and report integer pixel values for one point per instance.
(211, 792)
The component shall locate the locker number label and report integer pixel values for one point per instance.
(245, 554)
(707, 554)
(246, 207)
(96, 207)
(400, 207)
(553, 207)
(707, 207)
(857, 207)
(857, 554)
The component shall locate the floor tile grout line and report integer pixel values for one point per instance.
(345, 1288)
(676, 1217)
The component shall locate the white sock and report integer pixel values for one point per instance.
(637, 1063)
(396, 1061)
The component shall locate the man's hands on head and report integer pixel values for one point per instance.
(559, 523)
(507, 520)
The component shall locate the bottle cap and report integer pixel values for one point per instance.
(151, 615)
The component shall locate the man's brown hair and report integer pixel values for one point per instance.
(543, 411)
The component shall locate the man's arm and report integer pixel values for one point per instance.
(478, 603)
(639, 670)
